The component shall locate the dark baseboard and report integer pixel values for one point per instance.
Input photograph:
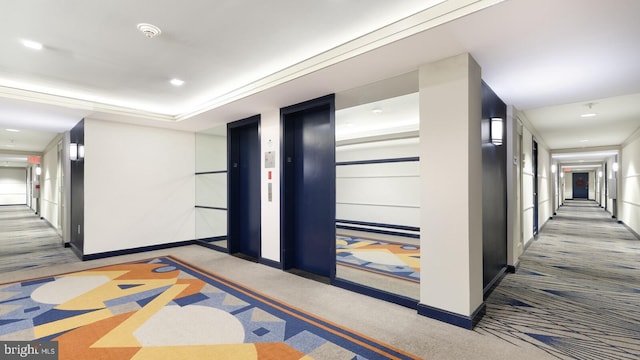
(309, 275)
(245, 257)
(67, 245)
(213, 239)
(466, 322)
(137, 250)
(212, 245)
(513, 268)
(376, 293)
(630, 229)
(270, 263)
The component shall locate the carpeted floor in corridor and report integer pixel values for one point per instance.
(576, 293)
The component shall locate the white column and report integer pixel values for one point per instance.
(451, 191)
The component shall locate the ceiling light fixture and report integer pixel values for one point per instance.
(377, 111)
(176, 82)
(32, 44)
(149, 30)
(12, 130)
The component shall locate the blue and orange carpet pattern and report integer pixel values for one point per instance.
(164, 308)
(576, 294)
(397, 260)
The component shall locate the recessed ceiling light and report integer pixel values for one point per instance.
(12, 130)
(376, 111)
(176, 82)
(9, 145)
(588, 115)
(584, 140)
(149, 30)
(32, 44)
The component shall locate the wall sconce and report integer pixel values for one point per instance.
(562, 175)
(496, 131)
(599, 173)
(73, 151)
(615, 166)
(554, 168)
(38, 170)
(76, 151)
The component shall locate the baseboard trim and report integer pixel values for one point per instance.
(512, 269)
(466, 322)
(137, 250)
(375, 293)
(270, 263)
(630, 229)
(212, 245)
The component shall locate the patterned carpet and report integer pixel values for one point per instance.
(576, 294)
(397, 260)
(26, 241)
(164, 308)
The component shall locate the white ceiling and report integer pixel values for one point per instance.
(548, 58)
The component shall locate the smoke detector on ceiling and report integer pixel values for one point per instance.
(149, 30)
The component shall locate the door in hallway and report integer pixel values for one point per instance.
(244, 187)
(580, 185)
(308, 188)
(535, 186)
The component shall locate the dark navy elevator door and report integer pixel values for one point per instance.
(309, 189)
(244, 188)
(580, 185)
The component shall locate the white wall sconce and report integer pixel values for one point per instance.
(76, 151)
(38, 170)
(562, 175)
(496, 131)
(599, 173)
(615, 167)
(554, 168)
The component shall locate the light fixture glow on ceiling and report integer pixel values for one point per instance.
(176, 82)
(13, 130)
(588, 115)
(32, 44)
(377, 111)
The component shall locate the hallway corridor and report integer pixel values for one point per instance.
(576, 293)
(28, 242)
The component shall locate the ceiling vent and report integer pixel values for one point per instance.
(149, 30)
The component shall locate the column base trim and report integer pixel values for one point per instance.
(466, 322)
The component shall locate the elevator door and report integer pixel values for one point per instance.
(244, 187)
(309, 187)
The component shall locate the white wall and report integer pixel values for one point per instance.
(610, 176)
(270, 209)
(139, 186)
(50, 182)
(383, 192)
(545, 205)
(451, 221)
(592, 185)
(630, 183)
(211, 189)
(527, 185)
(13, 186)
